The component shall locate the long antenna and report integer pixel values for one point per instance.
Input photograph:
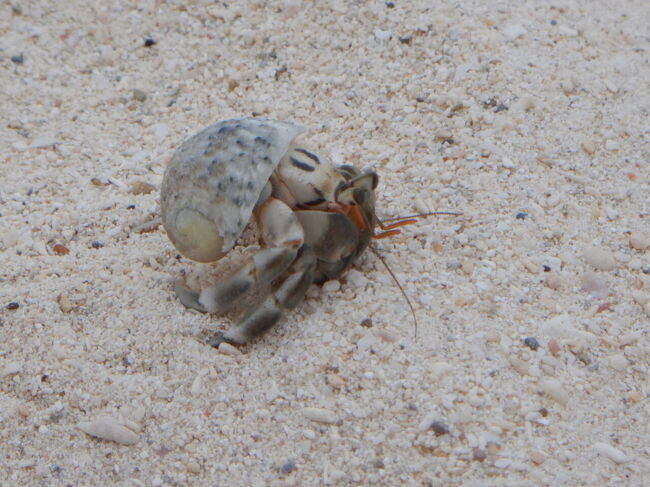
(422, 215)
(408, 301)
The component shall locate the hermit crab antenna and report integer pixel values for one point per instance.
(408, 301)
(420, 215)
(389, 229)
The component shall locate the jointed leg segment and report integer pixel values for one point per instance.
(286, 266)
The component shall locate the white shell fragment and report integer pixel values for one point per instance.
(320, 415)
(108, 428)
(553, 388)
(610, 452)
(214, 180)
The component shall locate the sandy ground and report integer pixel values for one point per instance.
(531, 363)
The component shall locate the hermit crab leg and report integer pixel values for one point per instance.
(288, 266)
(287, 294)
(334, 239)
(280, 231)
(329, 238)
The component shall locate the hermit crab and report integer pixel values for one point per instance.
(313, 218)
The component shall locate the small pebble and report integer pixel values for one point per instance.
(595, 285)
(335, 381)
(629, 338)
(96, 244)
(589, 146)
(107, 428)
(611, 86)
(12, 306)
(478, 454)
(228, 349)
(193, 467)
(521, 366)
(320, 415)
(288, 467)
(599, 259)
(23, 410)
(366, 341)
(65, 305)
(521, 215)
(160, 130)
(140, 187)
(340, 109)
(382, 35)
(618, 362)
(553, 388)
(60, 249)
(148, 42)
(635, 397)
(508, 163)
(531, 342)
(503, 463)
(553, 347)
(492, 336)
(197, 386)
(139, 95)
(438, 369)
(612, 145)
(610, 452)
(514, 31)
(537, 457)
(583, 355)
(553, 281)
(639, 241)
(331, 286)
(366, 323)
(386, 335)
(439, 428)
(19, 59)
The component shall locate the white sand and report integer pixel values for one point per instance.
(490, 108)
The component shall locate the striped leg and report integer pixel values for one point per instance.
(288, 293)
(330, 242)
(282, 233)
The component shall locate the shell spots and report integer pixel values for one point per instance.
(311, 155)
(301, 165)
(227, 130)
(261, 141)
(221, 173)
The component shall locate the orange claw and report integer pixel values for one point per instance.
(397, 224)
(390, 229)
(389, 233)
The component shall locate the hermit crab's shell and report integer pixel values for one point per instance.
(214, 180)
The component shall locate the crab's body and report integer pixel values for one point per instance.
(314, 217)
